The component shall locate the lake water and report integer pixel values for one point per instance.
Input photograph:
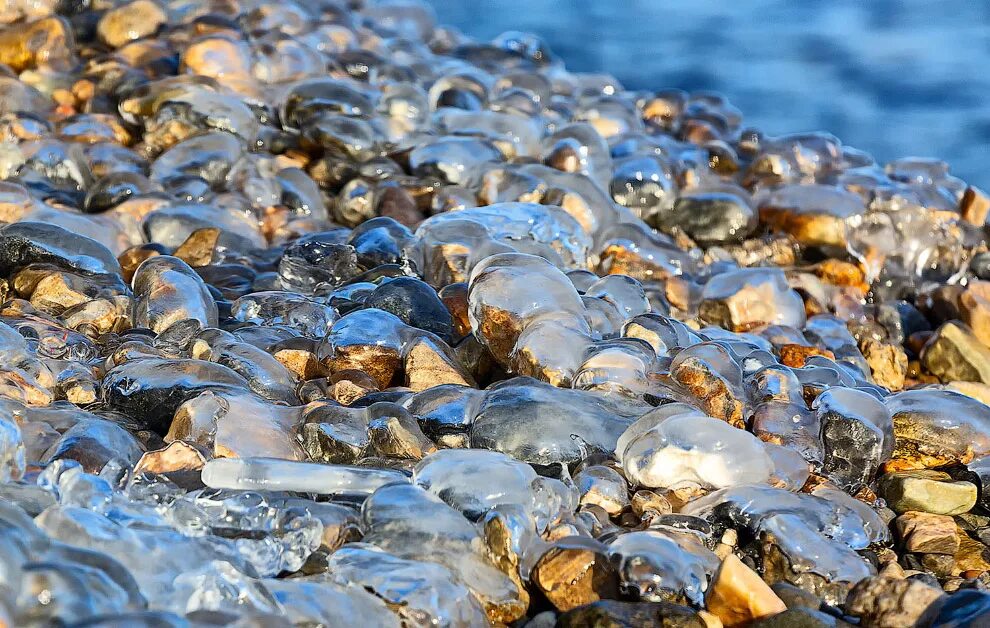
(893, 77)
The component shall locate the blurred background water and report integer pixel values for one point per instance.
(893, 77)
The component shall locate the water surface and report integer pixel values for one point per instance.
(893, 77)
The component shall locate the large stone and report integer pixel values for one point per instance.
(575, 572)
(743, 299)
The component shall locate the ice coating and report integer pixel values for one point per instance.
(534, 422)
(452, 243)
(800, 524)
(857, 432)
(691, 449)
(453, 475)
(655, 566)
(275, 474)
(939, 425)
(167, 291)
(310, 313)
(742, 298)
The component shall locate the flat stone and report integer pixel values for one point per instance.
(927, 491)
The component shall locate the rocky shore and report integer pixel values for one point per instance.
(323, 314)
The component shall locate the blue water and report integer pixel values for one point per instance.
(893, 77)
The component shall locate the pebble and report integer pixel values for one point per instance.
(737, 595)
(314, 313)
(926, 533)
(886, 603)
(129, 22)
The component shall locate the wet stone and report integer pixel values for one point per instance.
(315, 313)
(744, 299)
(128, 22)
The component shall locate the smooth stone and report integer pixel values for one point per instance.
(927, 491)
(712, 217)
(23, 243)
(801, 618)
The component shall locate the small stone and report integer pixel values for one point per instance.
(888, 363)
(130, 21)
(712, 216)
(426, 365)
(814, 215)
(47, 41)
(955, 353)
(199, 249)
(925, 533)
(927, 491)
(349, 385)
(886, 603)
(645, 500)
(795, 597)
(603, 486)
(974, 309)
(176, 456)
(974, 206)
(397, 434)
(795, 356)
(737, 595)
(575, 572)
(301, 363)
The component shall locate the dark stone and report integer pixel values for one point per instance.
(95, 442)
(416, 303)
(795, 597)
(320, 258)
(616, 614)
(967, 608)
(712, 217)
(152, 389)
(800, 618)
(380, 241)
(23, 243)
